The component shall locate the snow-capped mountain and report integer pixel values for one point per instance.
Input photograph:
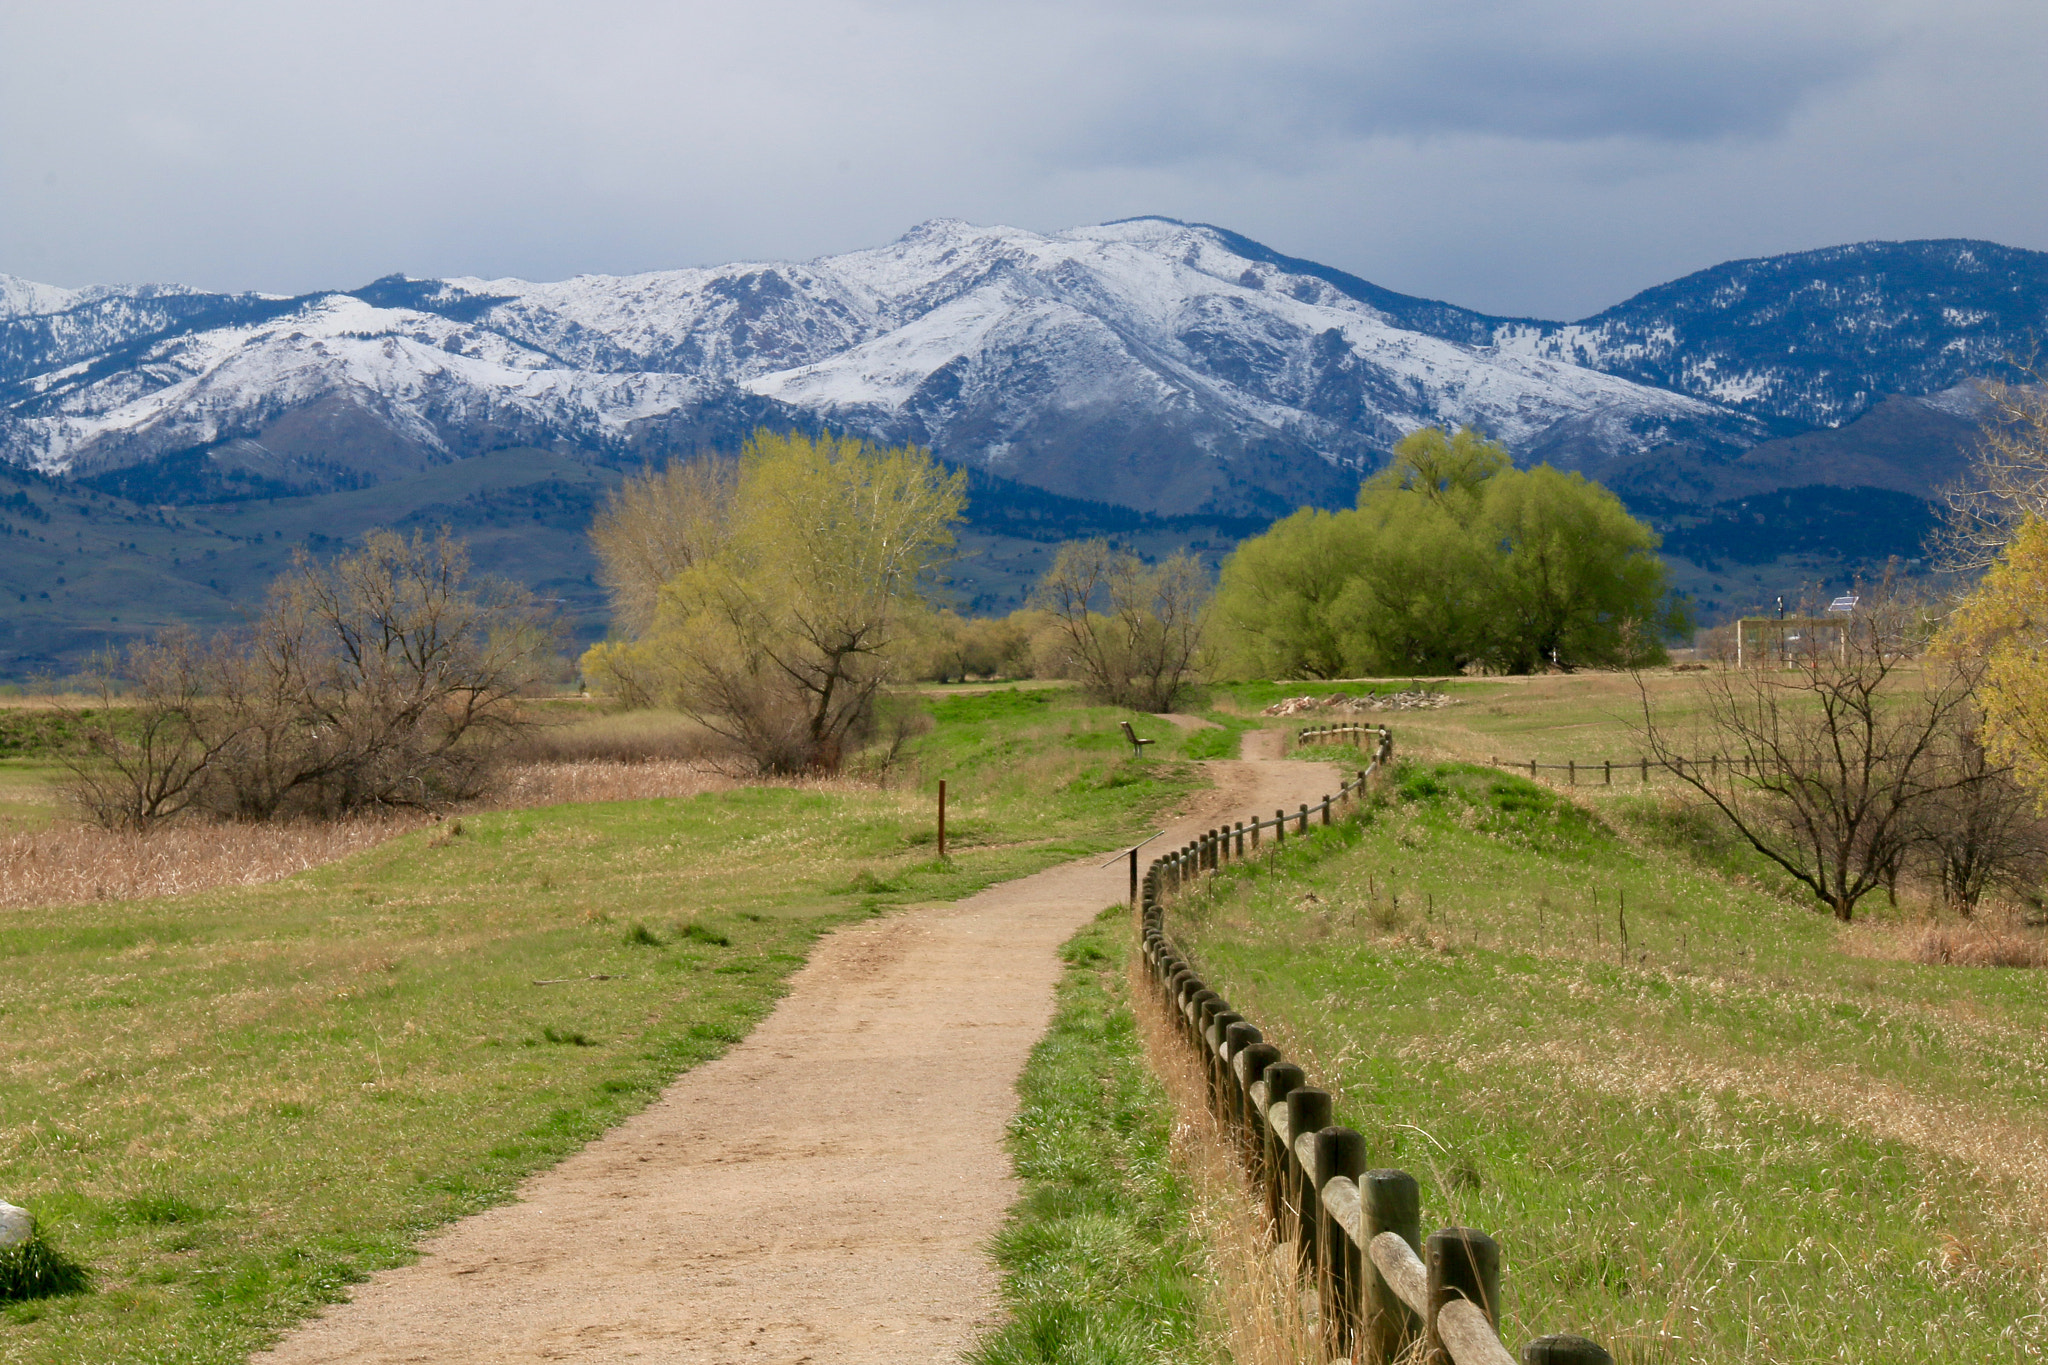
(1151, 363)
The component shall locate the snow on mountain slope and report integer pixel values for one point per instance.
(1816, 337)
(1150, 362)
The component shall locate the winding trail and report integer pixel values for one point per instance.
(825, 1192)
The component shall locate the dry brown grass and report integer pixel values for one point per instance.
(1257, 1309)
(1996, 937)
(620, 737)
(559, 783)
(66, 863)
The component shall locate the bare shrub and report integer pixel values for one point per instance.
(2008, 482)
(1980, 834)
(388, 678)
(1132, 632)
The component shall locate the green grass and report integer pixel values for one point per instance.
(1098, 1258)
(1739, 1141)
(229, 1106)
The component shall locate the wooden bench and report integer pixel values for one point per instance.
(1137, 745)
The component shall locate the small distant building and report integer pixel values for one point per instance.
(1780, 639)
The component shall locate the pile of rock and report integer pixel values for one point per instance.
(1414, 699)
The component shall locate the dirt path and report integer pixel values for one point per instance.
(824, 1192)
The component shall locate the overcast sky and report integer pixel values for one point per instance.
(1546, 157)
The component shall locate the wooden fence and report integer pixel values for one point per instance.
(1600, 772)
(1356, 1233)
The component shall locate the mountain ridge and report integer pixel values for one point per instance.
(1155, 380)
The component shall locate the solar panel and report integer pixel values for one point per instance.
(1843, 603)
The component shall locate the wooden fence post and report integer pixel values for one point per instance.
(942, 819)
(1608, 766)
(1463, 1263)
(1279, 827)
(1389, 1201)
(1250, 1127)
(1565, 1348)
(1308, 1112)
(1572, 766)
(1303, 826)
(1326, 812)
(1281, 1077)
(1646, 771)
(1339, 1152)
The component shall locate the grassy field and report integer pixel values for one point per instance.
(232, 1104)
(1738, 1133)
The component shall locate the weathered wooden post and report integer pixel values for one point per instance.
(1565, 1348)
(1607, 765)
(1532, 770)
(1571, 766)
(1134, 878)
(1463, 1263)
(1326, 812)
(1251, 1125)
(1281, 1078)
(1223, 1081)
(1238, 1036)
(1240, 839)
(1646, 771)
(1390, 1201)
(1339, 1152)
(1308, 1113)
(942, 819)
(1279, 826)
(1303, 826)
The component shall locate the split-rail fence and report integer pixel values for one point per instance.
(1356, 1233)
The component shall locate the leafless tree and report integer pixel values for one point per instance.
(148, 753)
(1981, 833)
(1828, 756)
(1133, 631)
(386, 678)
(2008, 481)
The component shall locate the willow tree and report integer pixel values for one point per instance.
(1453, 557)
(791, 583)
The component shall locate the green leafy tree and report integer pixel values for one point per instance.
(1276, 599)
(792, 586)
(1575, 580)
(1453, 557)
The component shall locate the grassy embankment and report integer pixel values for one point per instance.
(232, 1104)
(1099, 1257)
(1741, 1139)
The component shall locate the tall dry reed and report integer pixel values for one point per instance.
(1258, 1311)
(67, 863)
(70, 863)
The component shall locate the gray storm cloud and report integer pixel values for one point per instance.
(1516, 156)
